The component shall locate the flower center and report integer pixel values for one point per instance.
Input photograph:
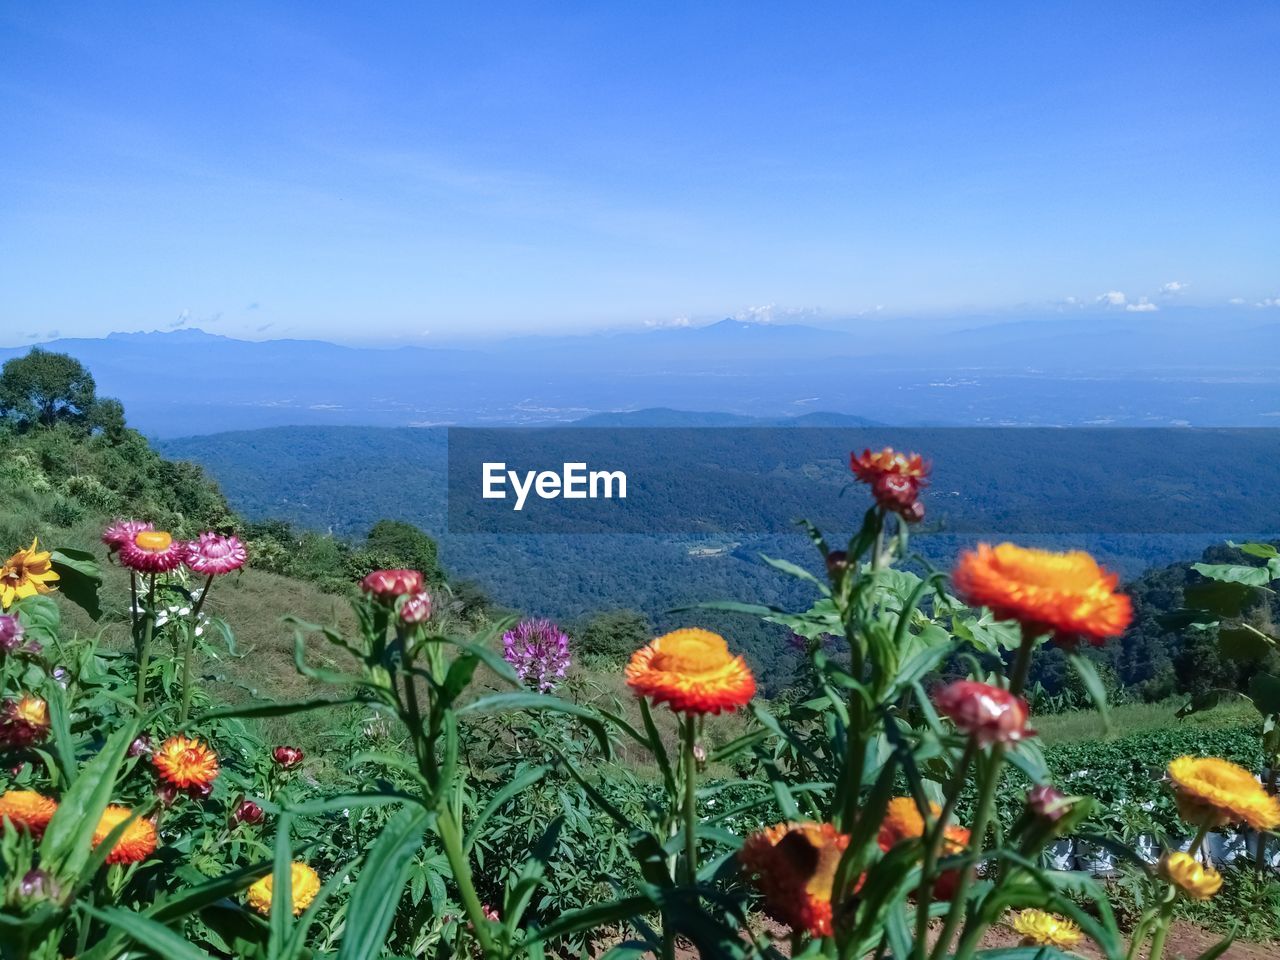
(692, 652)
(153, 540)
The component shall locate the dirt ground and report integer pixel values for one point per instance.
(1185, 942)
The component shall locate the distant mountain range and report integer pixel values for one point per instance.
(1173, 367)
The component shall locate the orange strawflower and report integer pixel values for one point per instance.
(304, 884)
(693, 671)
(1066, 594)
(1213, 792)
(795, 868)
(136, 843)
(27, 810)
(186, 762)
(903, 821)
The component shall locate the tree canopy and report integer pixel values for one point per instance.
(44, 388)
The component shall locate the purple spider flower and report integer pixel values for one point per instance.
(539, 651)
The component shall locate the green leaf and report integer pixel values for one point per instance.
(523, 781)
(1264, 551)
(1224, 598)
(1234, 573)
(490, 659)
(68, 838)
(381, 884)
(1242, 642)
(60, 728)
(799, 572)
(281, 887)
(1088, 674)
(1206, 701)
(1218, 949)
(590, 918)
(459, 676)
(153, 936)
(40, 618)
(79, 578)
(191, 899)
(524, 700)
(345, 801)
(276, 708)
(1264, 691)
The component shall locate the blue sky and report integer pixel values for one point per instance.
(382, 171)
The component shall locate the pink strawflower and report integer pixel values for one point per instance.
(989, 714)
(121, 532)
(212, 554)
(152, 551)
(417, 608)
(389, 585)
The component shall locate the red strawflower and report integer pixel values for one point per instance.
(287, 757)
(389, 585)
(896, 480)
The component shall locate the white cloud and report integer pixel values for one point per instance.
(664, 324)
(1174, 286)
(1113, 298)
(1142, 306)
(762, 314)
(1236, 301)
(1269, 302)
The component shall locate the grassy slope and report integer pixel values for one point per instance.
(1131, 718)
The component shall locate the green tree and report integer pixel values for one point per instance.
(45, 388)
(613, 635)
(407, 545)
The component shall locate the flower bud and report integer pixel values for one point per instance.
(1048, 804)
(247, 811)
(416, 608)
(988, 714)
(287, 757)
(37, 885)
(141, 746)
(166, 793)
(700, 756)
(837, 565)
(10, 633)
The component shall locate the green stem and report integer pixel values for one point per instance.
(1139, 934)
(690, 802)
(187, 653)
(144, 654)
(451, 840)
(1162, 931)
(1022, 663)
(986, 807)
(934, 845)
